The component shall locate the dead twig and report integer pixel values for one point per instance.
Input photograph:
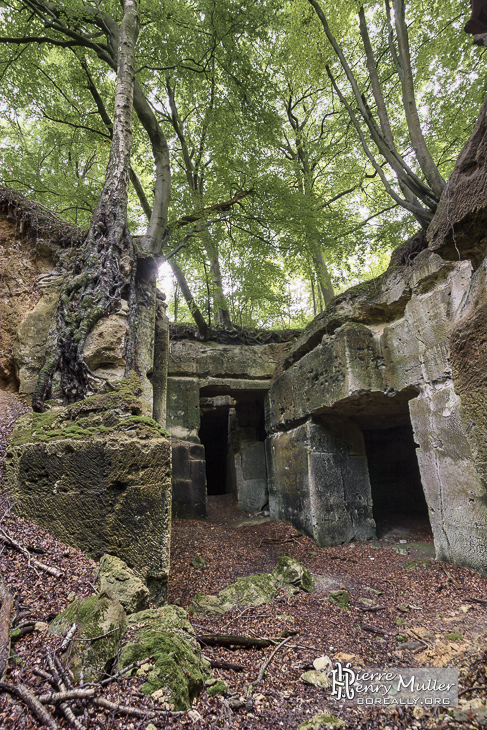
(373, 630)
(60, 677)
(214, 664)
(451, 578)
(6, 609)
(102, 702)
(266, 663)
(77, 693)
(69, 636)
(32, 702)
(373, 608)
(231, 640)
(21, 549)
(471, 689)
(477, 600)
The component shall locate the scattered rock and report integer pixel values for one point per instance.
(316, 678)
(179, 671)
(321, 662)
(218, 688)
(321, 720)
(199, 563)
(256, 590)
(100, 619)
(401, 550)
(340, 598)
(291, 573)
(118, 580)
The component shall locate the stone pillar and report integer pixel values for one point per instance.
(454, 489)
(319, 482)
(146, 324)
(161, 357)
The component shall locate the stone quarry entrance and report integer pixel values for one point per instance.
(214, 435)
(348, 472)
(397, 492)
(232, 432)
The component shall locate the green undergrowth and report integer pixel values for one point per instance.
(118, 411)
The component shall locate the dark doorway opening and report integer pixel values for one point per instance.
(213, 435)
(397, 492)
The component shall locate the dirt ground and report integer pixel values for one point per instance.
(438, 610)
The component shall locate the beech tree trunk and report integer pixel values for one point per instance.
(107, 265)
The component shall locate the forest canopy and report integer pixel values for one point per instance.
(279, 151)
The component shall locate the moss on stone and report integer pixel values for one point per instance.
(102, 414)
(166, 636)
(321, 720)
(290, 572)
(255, 590)
(340, 598)
(99, 618)
(219, 688)
(416, 564)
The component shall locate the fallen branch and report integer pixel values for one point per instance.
(451, 578)
(231, 640)
(21, 631)
(477, 600)
(102, 702)
(13, 543)
(58, 674)
(373, 608)
(279, 540)
(214, 664)
(32, 702)
(373, 630)
(7, 604)
(471, 689)
(69, 636)
(270, 658)
(54, 698)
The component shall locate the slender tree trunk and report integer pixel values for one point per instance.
(406, 176)
(189, 299)
(107, 264)
(323, 276)
(423, 155)
(219, 299)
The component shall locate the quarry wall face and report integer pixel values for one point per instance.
(407, 349)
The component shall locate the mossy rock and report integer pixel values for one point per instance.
(416, 564)
(166, 636)
(203, 603)
(316, 678)
(291, 573)
(454, 636)
(97, 616)
(118, 580)
(323, 721)
(252, 590)
(340, 598)
(256, 590)
(98, 415)
(217, 688)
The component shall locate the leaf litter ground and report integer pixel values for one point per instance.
(427, 603)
